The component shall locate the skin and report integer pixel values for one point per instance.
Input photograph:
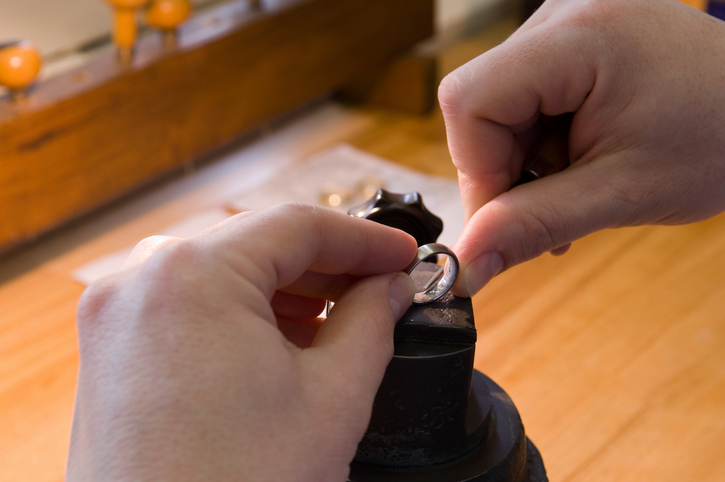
(204, 360)
(645, 80)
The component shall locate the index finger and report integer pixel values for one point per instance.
(274, 248)
(486, 102)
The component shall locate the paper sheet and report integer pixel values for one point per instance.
(343, 167)
(340, 167)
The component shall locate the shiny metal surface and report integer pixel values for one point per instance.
(441, 279)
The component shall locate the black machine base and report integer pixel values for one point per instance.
(505, 454)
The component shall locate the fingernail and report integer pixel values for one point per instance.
(401, 293)
(482, 270)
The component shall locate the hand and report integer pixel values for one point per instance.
(204, 359)
(646, 81)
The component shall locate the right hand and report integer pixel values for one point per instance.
(204, 359)
(646, 81)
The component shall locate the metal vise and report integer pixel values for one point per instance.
(435, 418)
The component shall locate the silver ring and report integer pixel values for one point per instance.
(441, 278)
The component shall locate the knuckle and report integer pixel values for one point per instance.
(149, 242)
(95, 298)
(626, 195)
(297, 209)
(169, 266)
(593, 13)
(450, 93)
(174, 254)
(538, 235)
(300, 216)
(628, 198)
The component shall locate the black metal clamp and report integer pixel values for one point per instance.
(435, 418)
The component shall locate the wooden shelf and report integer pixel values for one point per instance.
(92, 134)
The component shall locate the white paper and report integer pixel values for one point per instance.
(341, 166)
(344, 167)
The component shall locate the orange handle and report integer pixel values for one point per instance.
(124, 27)
(19, 64)
(168, 14)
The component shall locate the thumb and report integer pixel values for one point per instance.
(535, 218)
(354, 345)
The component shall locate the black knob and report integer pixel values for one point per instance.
(401, 211)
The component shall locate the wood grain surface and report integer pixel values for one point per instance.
(614, 353)
(89, 135)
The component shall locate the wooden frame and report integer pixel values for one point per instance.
(92, 134)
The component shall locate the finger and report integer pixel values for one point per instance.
(319, 285)
(296, 307)
(235, 218)
(355, 344)
(547, 72)
(544, 215)
(274, 248)
(147, 247)
(560, 251)
(298, 331)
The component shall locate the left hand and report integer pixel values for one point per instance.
(646, 141)
(206, 360)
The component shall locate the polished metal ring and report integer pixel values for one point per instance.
(441, 277)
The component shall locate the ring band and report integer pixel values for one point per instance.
(442, 280)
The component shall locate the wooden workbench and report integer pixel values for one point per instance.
(613, 353)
